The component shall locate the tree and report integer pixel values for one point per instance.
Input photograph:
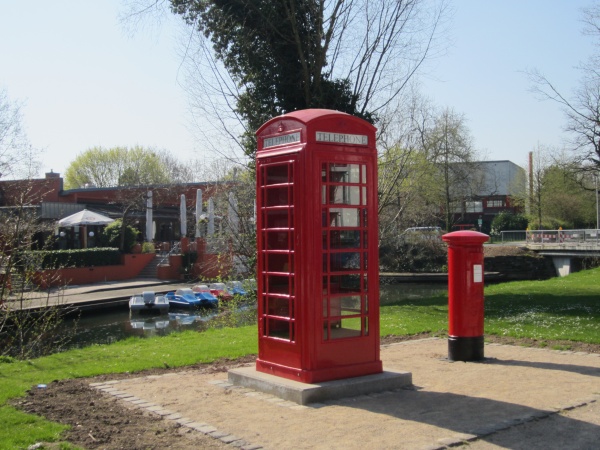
(18, 159)
(582, 108)
(265, 58)
(23, 332)
(565, 202)
(122, 166)
(112, 236)
(404, 169)
(450, 150)
(233, 194)
(506, 221)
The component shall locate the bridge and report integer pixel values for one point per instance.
(560, 245)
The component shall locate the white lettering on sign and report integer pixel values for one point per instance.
(477, 273)
(341, 138)
(281, 140)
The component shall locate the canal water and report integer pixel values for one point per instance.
(115, 325)
(108, 327)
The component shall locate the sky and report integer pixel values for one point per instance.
(85, 80)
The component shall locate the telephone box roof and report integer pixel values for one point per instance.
(306, 116)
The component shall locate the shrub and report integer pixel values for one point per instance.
(111, 236)
(424, 256)
(56, 259)
(506, 221)
(148, 247)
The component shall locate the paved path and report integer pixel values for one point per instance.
(518, 398)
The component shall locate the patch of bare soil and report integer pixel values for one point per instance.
(101, 421)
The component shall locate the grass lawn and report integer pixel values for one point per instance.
(557, 309)
(561, 308)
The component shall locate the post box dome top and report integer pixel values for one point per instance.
(465, 237)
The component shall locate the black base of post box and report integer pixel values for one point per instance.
(465, 348)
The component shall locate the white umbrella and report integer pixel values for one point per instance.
(149, 225)
(232, 214)
(84, 217)
(183, 216)
(211, 217)
(198, 211)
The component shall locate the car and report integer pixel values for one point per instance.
(419, 234)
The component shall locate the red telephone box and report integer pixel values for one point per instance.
(318, 275)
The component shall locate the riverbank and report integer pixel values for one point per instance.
(549, 313)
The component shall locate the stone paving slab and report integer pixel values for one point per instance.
(516, 398)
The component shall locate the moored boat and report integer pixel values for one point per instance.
(202, 292)
(148, 302)
(183, 298)
(219, 290)
(236, 288)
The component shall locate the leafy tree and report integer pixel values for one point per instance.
(560, 192)
(450, 151)
(506, 221)
(122, 166)
(565, 202)
(405, 199)
(267, 58)
(112, 233)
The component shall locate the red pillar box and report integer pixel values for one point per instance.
(318, 280)
(465, 295)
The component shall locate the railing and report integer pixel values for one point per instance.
(572, 237)
(551, 236)
(166, 249)
(513, 236)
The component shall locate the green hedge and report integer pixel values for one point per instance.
(58, 259)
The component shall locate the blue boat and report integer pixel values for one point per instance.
(202, 292)
(183, 298)
(235, 288)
